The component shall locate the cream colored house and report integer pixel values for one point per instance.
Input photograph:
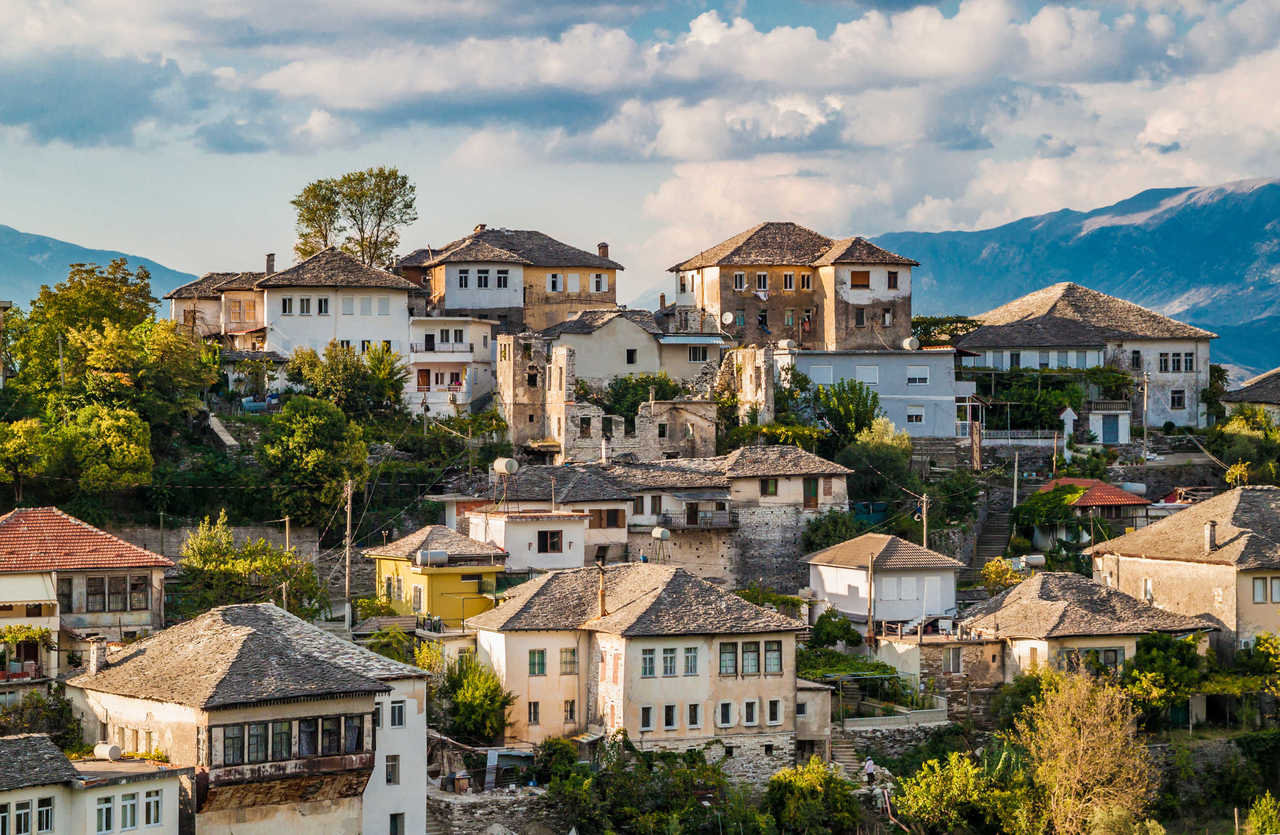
(1218, 560)
(1064, 620)
(652, 650)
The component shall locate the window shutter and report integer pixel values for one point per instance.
(572, 284)
(548, 283)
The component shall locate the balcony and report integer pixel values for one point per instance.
(454, 352)
(1107, 406)
(22, 671)
(706, 520)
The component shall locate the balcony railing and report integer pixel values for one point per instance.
(22, 670)
(442, 348)
(706, 520)
(1106, 406)
(454, 387)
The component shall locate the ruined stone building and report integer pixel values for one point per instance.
(733, 519)
(781, 281)
(650, 649)
(539, 397)
(286, 726)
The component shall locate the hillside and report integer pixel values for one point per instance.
(28, 261)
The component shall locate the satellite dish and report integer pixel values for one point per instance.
(726, 318)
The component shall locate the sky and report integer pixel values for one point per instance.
(180, 131)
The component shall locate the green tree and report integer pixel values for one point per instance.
(1009, 700)
(941, 330)
(812, 799)
(1211, 396)
(1164, 671)
(880, 457)
(319, 217)
(373, 607)
(830, 627)
(1264, 816)
(37, 713)
(24, 452)
(256, 375)
(215, 571)
(476, 701)
(959, 794)
(998, 575)
(308, 452)
(847, 408)
(107, 449)
(553, 758)
(392, 642)
(361, 386)
(623, 395)
(830, 528)
(365, 209)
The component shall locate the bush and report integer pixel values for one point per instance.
(38, 714)
(477, 701)
(1009, 700)
(552, 759)
(998, 575)
(832, 627)
(812, 799)
(1264, 816)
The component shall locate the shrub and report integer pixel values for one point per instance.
(1264, 816)
(999, 575)
(813, 799)
(1008, 702)
(553, 758)
(832, 627)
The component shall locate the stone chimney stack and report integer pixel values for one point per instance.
(97, 654)
(271, 263)
(603, 249)
(1210, 536)
(662, 301)
(604, 451)
(652, 393)
(603, 610)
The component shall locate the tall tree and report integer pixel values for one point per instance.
(24, 449)
(359, 385)
(319, 218)
(110, 449)
(307, 453)
(363, 210)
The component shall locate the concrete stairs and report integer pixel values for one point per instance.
(843, 752)
(993, 538)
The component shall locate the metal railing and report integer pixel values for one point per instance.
(706, 520)
(1106, 406)
(442, 348)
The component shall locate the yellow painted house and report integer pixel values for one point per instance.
(437, 572)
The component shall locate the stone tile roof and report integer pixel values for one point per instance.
(772, 243)
(671, 474)
(573, 483)
(641, 599)
(334, 268)
(861, 251)
(229, 356)
(590, 321)
(203, 287)
(891, 553)
(509, 246)
(1247, 532)
(778, 460)
(1064, 604)
(30, 760)
(1067, 315)
(436, 538)
(1097, 493)
(46, 539)
(239, 655)
(242, 281)
(1265, 388)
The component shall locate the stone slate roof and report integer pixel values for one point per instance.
(590, 321)
(509, 246)
(891, 553)
(778, 460)
(1247, 532)
(861, 251)
(435, 538)
(671, 474)
(230, 356)
(30, 760)
(332, 267)
(1067, 315)
(46, 539)
(1265, 388)
(1060, 604)
(1097, 493)
(203, 287)
(573, 483)
(239, 655)
(641, 599)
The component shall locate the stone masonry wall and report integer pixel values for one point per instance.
(169, 541)
(889, 742)
(746, 758)
(527, 810)
(768, 540)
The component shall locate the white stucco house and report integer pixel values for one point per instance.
(535, 540)
(450, 360)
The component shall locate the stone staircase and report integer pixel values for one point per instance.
(993, 539)
(843, 752)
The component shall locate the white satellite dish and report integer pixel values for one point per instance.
(726, 318)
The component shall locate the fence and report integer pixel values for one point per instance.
(901, 717)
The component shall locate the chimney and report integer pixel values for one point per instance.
(603, 249)
(271, 263)
(480, 227)
(97, 654)
(604, 451)
(662, 301)
(652, 393)
(603, 610)
(1210, 536)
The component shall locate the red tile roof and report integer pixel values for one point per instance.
(1097, 493)
(46, 539)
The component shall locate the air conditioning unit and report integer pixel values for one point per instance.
(426, 558)
(1246, 643)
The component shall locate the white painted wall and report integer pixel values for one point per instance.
(519, 538)
(879, 290)
(75, 809)
(900, 595)
(602, 355)
(376, 315)
(410, 744)
(471, 296)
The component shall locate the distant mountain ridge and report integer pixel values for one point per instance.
(28, 261)
(1209, 256)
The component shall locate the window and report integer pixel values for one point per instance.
(116, 594)
(233, 745)
(322, 306)
(139, 593)
(697, 353)
(670, 717)
(282, 740)
(662, 430)
(345, 343)
(691, 661)
(915, 414)
(802, 709)
(1178, 399)
(917, 375)
(386, 344)
(1043, 361)
(637, 506)
(286, 306)
(788, 281)
(655, 505)
(751, 658)
(1015, 359)
(365, 345)
(395, 825)
(1164, 363)
(725, 717)
(859, 317)
(1175, 363)
(647, 663)
(749, 712)
(600, 282)
(352, 734)
(860, 279)
(366, 305)
(739, 281)
(729, 659)
(553, 283)
(868, 375)
(534, 712)
(669, 661)
(1259, 590)
(762, 319)
(828, 485)
(348, 306)
(646, 718)
(151, 807)
(789, 317)
(773, 656)
(307, 737)
(304, 306)
(129, 811)
(617, 663)
(501, 279)
(740, 318)
(258, 742)
(393, 770)
(482, 279)
(21, 817)
(768, 487)
(569, 661)
(1082, 359)
(106, 815)
(464, 279)
(570, 711)
(893, 280)
(330, 735)
(631, 356)
(1275, 589)
(806, 281)
(397, 714)
(537, 662)
(951, 660)
(384, 306)
(64, 604)
(549, 542)
(44, 814)
(417, 598)
(1188, 362)
(774, 716)
(1135, 360)
(886, 317)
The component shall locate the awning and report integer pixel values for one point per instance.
(709, 495)
(588, 737)
(691, 339)
(29, 588)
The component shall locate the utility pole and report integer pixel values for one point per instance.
(924, 518)
(286, 533)
(1015, 479)
(1146, 384)
(346, 588)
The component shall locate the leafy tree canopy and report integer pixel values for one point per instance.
(1164, 671)
(831, 627)
(812, 798)
(37, 713)
(360, 385)
(361, 211)
(308, 452)
(623, 395)
(941, 330)
(476, 702)
(998, 575)
(392, 642)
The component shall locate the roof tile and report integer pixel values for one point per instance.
(46, 539)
